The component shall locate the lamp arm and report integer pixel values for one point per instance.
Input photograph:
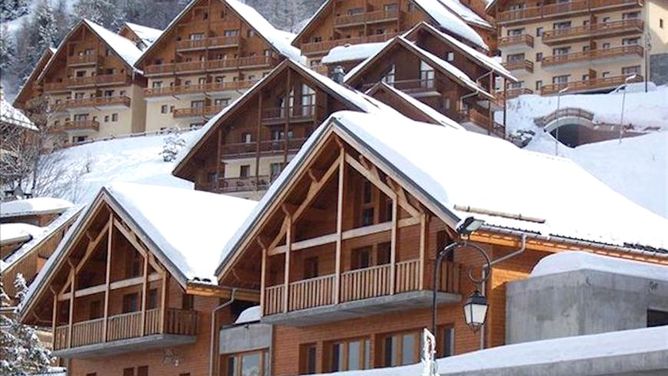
(488, 264)
(437, 271)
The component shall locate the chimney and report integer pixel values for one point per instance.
(338, 75)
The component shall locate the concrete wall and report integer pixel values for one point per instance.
(244, 338)
(580, 303)
(658, 67)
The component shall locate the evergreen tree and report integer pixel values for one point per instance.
(45, 21)
(34, 358)
(7, 48)
(104, 12)
(13, 9)
(8, 341)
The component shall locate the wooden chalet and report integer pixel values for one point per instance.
(130, 289)
(431, 79)
(349, 22)
(143, 36)
(208, 55)
(245, 147)
(92, 88)
(342, 248)
(30, 99)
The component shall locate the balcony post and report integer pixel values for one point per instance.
(163, 303)
(71, 315)
(393, 246)
(424, 238)
(144, 296)
(288, 108)
(339, 225)
(258, 145)
(263, 271)
(218, 158)
(288, 251)
(105, 323)
(54, 318)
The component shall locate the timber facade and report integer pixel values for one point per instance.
(585, 45)
(203, 61)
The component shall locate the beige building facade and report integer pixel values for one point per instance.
(585, 45)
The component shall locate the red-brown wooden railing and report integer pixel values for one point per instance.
(586, 56)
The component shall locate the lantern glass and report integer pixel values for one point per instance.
(475, 311)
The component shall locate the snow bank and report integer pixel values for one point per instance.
(597, 346)
(572, 261)
(352, 52)
(451, 22)
(17, 232)
(249, 315)
(189, 227)
(33, 206)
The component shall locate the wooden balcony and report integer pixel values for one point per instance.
(519, 65)
(363, 292)
(573, 34)
(292, 114)
(588, 85)
(366, 18)
(212, 87)
(207, 43)
(513, 93)
(83, 60)
(245, 184)
(211, 65)
(418, 86)
(598, 54)
(556, 10)
(125, 332)
(205, 111)
(324, 46)
(267, 147)
(52, 87)
(95, 103)
(523, 40)
(76, 125)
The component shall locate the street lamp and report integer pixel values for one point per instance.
(621, 119)
(556, 136)
(475, 308)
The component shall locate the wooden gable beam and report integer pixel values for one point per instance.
(91, 247)
(135, 243)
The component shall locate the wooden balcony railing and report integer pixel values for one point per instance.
(356, 284)
(324, 46)
(93, 102)
(125, 326)
(245, 184)
(593, 30)
(513, 93)
(416, 86)
(81, 60)
(197, 111)
(295, 113)
(243, 149)
(198, 88)
(367, 17)
(74, 125)
(516, 40)
(526, 65)
(586, 56)
(587, 85)
(103, 79)
(210, 65)
(561, 9)
(211, 42)
(56, 86)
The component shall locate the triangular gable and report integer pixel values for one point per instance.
(311, 22)
(147, 35)
(28, 85)
(356, 101)
(123, 48)
(433, 60)
(463, 48)
(247, 15)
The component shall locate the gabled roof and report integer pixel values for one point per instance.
(435, 116)
(184, 229)
(444, 16)
(352, 52)
(496, 177)
(355, 99)
(279, 40)
(466, 13)
(122, 47)
(148, 35)
(36, 72)
(487, 61)
(14, 117)
(11, 233)
(34, 206)
(431, 59)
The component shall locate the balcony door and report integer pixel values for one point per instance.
(427, 76)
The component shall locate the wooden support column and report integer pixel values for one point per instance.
(424, 239)
(258, 145)
(393, 246)
(263, 278)
(219, 156)
(107, 282)
(144, 297)
(71, 315)
(288, 251)
(339, 226)
(54, 318)
(287, 116)
(163, 302)
(491, 103)
(505, 100)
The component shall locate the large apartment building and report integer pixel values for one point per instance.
(585, 45)
(209, 54)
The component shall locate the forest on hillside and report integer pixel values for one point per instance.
(31, 26)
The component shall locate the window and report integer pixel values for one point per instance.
(246, 138)
(91, 374)
(94, 310)
(367, 217)
(605, 19)
(561, 25)
(447, 347)
(130, 303)
(142, 371)
(661, 23)
(163, 109)
(515, 58)
(152, 299)
(157, 84)
(128, 372)
(133, 265)
(401, 349)
(354, 11)
(114, 117)
(630, 41)
(539, 31)
(250, 33)
(539, 84)
(254, 363)
(605, 74)
(307, 359)
(561, 50)
(106, 118)
(201, 80)
(350, 355)
(514, 32)
(560, 79)
(383, 256)
(360, 258)
(391, 7)
(244, 171)
(275, 169)
(450, 56)
(221, 102)
(539, 57)
(310, 267)
(187, 302)
(197, 104)
(627, 71)
(630, 15)
(231, 33)
(656, 318)
(367, 194)
(585, 77)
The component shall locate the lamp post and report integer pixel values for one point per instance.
(556, 136)
(621, 118)
(475, 308)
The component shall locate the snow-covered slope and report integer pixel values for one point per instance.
(134, 160)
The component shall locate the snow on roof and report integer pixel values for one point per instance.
(545, 352)
(279, 39)
(465, 12)
(572, 261)
(352, 52)
(12, 116)
(488, 61)
(451, 21)
(189, 227)
(17, 232)
(148, 35)
(423, 107)
(42, 234)
(33, 206)
(123, 47)
(249, 315)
